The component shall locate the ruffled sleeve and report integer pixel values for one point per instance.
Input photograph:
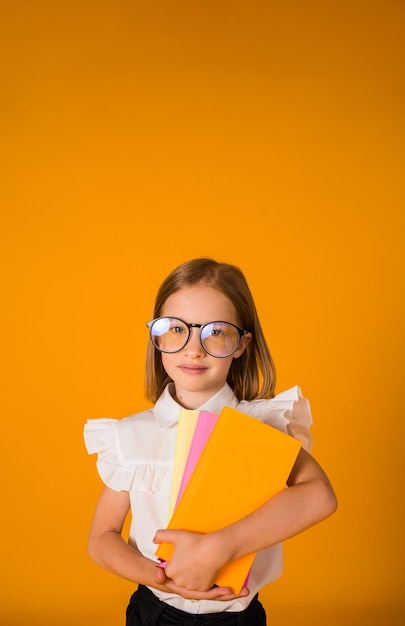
(297, 412)
(289, 411)
(100, 434)
(117, 469)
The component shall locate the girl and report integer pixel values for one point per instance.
(207, 351)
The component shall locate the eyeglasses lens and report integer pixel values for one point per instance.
(169, 334)
(219, 339)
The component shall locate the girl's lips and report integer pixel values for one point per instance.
(192, 369)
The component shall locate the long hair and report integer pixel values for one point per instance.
(252, 375)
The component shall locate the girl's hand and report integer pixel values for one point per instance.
(220, 594)
(194, 565)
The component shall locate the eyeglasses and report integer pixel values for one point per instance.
(218, 339)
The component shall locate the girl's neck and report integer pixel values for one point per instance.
(189, 401)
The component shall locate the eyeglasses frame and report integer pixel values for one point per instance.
(241, 332)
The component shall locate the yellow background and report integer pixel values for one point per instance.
(136, 135)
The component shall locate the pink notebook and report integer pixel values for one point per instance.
(204, 427)
(187, 423)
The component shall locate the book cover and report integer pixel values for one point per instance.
(244, 463)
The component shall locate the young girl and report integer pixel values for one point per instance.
(206, 351)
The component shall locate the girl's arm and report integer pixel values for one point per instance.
(108, 549)
(198, 558)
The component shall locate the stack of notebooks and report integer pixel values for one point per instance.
(225, 467)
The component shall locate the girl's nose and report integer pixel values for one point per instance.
(193, 345)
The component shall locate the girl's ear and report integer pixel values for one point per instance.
(244, 342)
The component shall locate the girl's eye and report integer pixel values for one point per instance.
(216, 332)
(178, 330)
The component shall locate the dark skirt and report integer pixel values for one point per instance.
(145, 609)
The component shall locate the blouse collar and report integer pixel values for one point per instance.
(166, 409)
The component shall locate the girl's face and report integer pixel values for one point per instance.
(196, 375)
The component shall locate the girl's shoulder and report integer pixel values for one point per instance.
(288, 411)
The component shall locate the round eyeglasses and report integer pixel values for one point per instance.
(218, 339)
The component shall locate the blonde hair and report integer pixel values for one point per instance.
(254, 366)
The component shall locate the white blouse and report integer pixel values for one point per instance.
(136, 454)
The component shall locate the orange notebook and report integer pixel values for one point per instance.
(248, 462)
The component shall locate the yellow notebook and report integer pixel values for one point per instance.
(187, 423)
(243, 464)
